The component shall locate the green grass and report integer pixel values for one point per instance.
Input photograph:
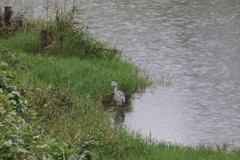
(87, 79)
(89, 75)
(23, 41)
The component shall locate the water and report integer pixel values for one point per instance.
(195, 41)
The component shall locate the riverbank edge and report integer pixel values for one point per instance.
(110, 142)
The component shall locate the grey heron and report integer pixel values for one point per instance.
(119, 96)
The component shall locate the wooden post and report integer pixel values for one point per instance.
(45, 37)
(1, 19)
(1, 22)
(19, 22)
(7, 15)
(16, 25)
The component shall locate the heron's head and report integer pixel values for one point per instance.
(114, 84)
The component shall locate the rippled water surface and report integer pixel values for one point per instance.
(196, 42)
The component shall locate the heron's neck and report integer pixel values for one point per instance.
(115, 88)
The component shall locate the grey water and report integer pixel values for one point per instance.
(195, 42)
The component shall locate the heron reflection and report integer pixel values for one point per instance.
(119, 117)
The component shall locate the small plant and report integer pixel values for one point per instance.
(65, 34)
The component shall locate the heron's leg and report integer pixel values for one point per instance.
(117, 106)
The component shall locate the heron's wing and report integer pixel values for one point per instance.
(122, 95)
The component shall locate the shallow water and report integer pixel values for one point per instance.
(196, 42)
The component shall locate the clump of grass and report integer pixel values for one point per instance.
(24, 41)
(70, 37)
(85, 77)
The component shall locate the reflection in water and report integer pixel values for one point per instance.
(119, 117)
(198, 43)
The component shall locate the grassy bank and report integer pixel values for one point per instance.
(65, 88)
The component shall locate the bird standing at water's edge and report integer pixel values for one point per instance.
(119, 96)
